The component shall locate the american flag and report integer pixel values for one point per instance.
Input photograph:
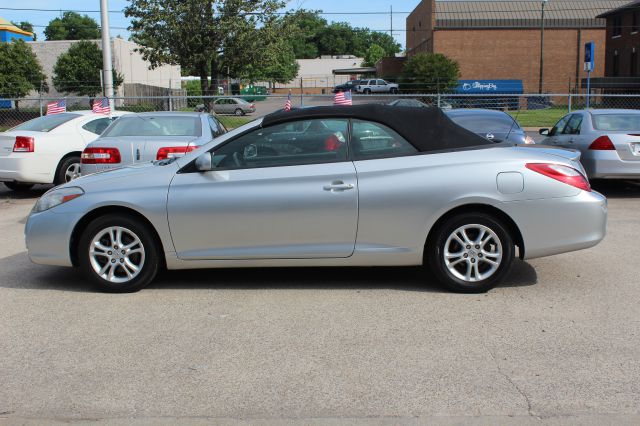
(287, 105)
(343, 98)
(56, 107)
(101, 106)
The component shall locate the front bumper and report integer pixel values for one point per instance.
(609, 165)
(24, 167)
(48, 237)
(560, 225)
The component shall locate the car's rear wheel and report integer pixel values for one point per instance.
(239, 112)
(68, 170)
(367, 91)
(18, 186)
(471, 253)
(118, 253)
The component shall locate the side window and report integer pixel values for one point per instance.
(381, 83)
(559, 127)
(573, 125)
(372, 82)
(97, 126)
(372, 140)
(215, 128)
(289, 144)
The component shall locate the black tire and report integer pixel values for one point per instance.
(435, 253)
(238, 112)
(63, 168)
(18, 186)
(150, 263)
(394, 91)
(367, 91)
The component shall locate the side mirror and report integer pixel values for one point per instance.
(544, 132)
(204, 163)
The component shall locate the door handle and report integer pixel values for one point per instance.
(338, 186)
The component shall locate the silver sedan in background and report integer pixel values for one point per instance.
(365, 185)
(494, 125)
(149, 136)
(235, 106)
(608, 139)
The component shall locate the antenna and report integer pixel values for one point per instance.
(515, 120)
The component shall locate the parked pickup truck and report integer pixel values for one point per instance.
(376, 86)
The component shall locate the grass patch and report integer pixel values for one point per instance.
(231, 122)
(539, 117)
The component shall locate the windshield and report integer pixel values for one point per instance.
(46, 123)
(617, 122)
(480, 123)
(171, 125)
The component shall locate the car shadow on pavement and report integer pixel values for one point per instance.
(34, 193)
(617, 188)
(18, 272)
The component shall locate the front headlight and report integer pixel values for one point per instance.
(57, 197)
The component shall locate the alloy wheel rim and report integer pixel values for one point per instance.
(117, 254)
(473, 253)
(72, 172)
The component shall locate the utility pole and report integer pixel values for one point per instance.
(544, 2)
(391, 32)
(107, 70)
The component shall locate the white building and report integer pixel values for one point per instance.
(317, 74)
(138, 78)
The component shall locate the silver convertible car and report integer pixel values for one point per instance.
(366, 185)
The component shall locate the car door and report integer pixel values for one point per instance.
(382, 86)
(552, 138)
(272, 195)
(569, 135)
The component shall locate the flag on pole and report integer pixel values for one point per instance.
(343, 98)
(287, 105)
(101, 106)
(57, 107)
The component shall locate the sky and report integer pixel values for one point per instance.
(119, 23)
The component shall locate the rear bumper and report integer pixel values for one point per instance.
(609, 165)
(24, 167)
(560, 225)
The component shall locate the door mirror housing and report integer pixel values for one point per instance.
(544, 132)
(204, 163)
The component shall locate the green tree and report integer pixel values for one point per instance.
(72, 26)
(78, 70)
(305, 26)
(373, 55)
(384, 40)
(20, 71)
(430, 73)
(26, 26)
(210, 37)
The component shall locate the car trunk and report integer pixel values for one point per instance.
(627, 145)
(8, 139)
(154, 144)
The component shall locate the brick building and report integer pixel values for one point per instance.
(500, 40)
(623, 41)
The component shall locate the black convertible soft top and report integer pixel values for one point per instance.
(428, 129)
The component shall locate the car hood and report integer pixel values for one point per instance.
(124, 174)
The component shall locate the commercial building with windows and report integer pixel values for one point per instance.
(501, 40)
(623, 41)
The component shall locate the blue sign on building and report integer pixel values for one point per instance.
(488, 87)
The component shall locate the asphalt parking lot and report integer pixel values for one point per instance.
(558, 343)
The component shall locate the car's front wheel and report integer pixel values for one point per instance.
(471, 253)
(239, 112)
(118, 253)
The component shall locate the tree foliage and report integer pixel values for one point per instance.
(430, 73)
(78, 70)
(209, 37)
(313, 36)
(373, 55)
(72, 26)
(26, 26)
(20, 71)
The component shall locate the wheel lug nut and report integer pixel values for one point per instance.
(465, 255)
(473, 261)
(109, 253)
(121, 260)
(468, 247)
(477, 247)
(479, 254)
(115, 247)
(123, 252)
(113, 261)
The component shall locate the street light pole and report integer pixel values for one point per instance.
(544, 2)
(106, 52)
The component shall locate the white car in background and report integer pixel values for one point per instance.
(47, 149)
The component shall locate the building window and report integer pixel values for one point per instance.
(617, 26)
(616, 64)
(634, 63)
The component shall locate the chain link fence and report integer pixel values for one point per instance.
(532, 110)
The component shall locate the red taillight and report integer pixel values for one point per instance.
(100, 156)
(24, 144)
(173, 151)
(564, 174)
(603, 143)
